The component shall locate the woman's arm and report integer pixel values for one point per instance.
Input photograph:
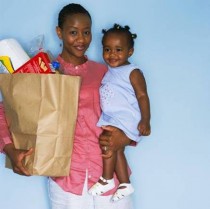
(5, 137)
(6, 145)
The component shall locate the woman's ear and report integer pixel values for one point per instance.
(131, 50)
(59, 32)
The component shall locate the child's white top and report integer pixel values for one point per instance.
(118, 101)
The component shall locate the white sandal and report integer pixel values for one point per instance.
(99, 189)
(122, 192)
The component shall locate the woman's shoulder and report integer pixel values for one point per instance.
(97, 65)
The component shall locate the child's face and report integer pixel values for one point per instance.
(76, 36)
(116, 50)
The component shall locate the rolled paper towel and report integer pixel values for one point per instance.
(10, 47)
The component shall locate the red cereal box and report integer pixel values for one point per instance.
(40, 63)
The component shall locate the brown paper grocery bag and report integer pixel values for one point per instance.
(41, 111)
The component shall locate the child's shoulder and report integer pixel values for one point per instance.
(135, 67)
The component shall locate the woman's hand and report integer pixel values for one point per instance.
(16, 157)
(111, 140)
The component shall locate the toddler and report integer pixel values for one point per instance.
(124, 104)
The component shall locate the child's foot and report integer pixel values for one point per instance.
(102, 186)
(124, 190)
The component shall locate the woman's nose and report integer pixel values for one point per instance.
(80, 37)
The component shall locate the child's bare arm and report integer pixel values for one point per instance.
(139, 85)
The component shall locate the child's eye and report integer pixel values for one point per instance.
(106, 50)
(118, 49)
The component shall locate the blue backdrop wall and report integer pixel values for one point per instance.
(171, 167)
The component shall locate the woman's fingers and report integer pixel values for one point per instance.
(19, 167)
(107, 154)
(28, 152)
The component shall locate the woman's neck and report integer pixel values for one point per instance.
(74, 60)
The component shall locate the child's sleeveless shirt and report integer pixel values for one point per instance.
(118, 101)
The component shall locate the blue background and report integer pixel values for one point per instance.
(171, 167)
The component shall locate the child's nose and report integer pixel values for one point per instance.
(112, 52)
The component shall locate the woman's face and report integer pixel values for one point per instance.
(76, 36)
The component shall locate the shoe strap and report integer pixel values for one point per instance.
(103, 179)
(124, 185)
(106, 180)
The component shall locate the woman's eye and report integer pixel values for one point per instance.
(73, 33)
(87, 33)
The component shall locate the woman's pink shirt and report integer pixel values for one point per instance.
(86, 156)
(5, 137)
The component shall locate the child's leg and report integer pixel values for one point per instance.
(121, 167)
(125, 188)
(109, 166)
(106, 181)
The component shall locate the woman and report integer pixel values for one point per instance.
(74, 29)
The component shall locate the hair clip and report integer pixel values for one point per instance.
(127, 27)
(117, 26)
(133, 35)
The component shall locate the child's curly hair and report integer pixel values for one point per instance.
(119, 29)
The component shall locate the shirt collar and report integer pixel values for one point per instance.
(69, 69)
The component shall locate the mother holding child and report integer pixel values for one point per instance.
(72, 192)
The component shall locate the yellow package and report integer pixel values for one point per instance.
(5, 60)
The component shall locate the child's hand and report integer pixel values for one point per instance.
(144, 128)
